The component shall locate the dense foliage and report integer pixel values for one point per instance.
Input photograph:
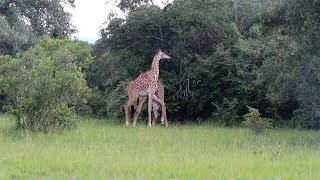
(44, 85)
(264, 54)
(209, 63)
(41, 80)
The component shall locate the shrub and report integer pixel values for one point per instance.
(227, 113)
(255, 123)
(44, 85)
(307, 117)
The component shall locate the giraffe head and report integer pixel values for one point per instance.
(162, 55)
(156, 59)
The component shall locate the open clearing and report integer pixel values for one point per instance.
(106, 150)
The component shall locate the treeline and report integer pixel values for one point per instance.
(226, 55)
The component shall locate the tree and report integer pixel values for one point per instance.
(131, 5)
(45, 85)
(291, 72)
(23, 21)
(15, 38)
(44, 16)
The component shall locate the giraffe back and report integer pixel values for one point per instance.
(144, 84)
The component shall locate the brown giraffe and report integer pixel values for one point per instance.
(145, 85)
(155, 106)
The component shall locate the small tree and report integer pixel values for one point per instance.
(227, 113)
(255, 123)
(44, 85)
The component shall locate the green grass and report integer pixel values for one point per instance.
(102, 150)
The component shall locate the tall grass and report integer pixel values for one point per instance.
(102, 150)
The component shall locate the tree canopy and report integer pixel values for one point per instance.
(24, 20)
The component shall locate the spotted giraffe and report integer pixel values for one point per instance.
(145, 85)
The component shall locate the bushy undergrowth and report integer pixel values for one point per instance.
(227, 113)
(255, 123)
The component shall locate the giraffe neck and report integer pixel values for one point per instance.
(155, 66)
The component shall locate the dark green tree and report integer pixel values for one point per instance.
(15, 38)
(291, 71)
(44, 16)
(23, 21)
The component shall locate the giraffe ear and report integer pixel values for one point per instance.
(159, 50)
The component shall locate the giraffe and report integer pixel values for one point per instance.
(155, 106)
(145, 85)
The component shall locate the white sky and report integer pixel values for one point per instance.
(89, 16)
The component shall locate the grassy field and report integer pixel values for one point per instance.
(102, 150)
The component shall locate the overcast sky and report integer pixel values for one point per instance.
(89, 16)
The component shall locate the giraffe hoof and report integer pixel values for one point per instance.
(127, 124)
(149, 125)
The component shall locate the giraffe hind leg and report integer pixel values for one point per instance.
(127, 108)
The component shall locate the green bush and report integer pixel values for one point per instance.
(45, 85)
(307, 117)
(255, 123)
(227, 112)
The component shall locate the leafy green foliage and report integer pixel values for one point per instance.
(23, 22)
(130, 5)
(15, 38)
(45, 85)
(45, 17)
(203, 39)
(255, 123)
(291, 70)
(227, 112)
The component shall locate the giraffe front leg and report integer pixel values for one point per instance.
(149, 109)
(138, 110)
(163, 109)
(165, 117)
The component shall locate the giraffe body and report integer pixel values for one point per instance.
(156, 107)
